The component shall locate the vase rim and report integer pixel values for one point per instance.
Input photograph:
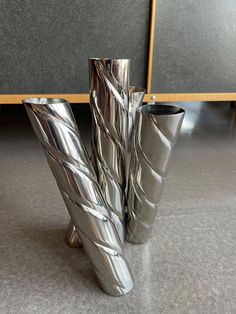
(43, 101)
(109, 59)
(160, 110)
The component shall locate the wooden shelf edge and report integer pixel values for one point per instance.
(151, 44)
(84, 98)
(190, 97)
(17, 99)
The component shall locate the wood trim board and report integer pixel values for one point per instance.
(151, 45)
(17, 99)
(84, 98)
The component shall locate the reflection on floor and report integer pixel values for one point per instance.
(189, 265)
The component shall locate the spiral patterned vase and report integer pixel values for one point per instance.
(136, 95)
(157, 129)
(56, 129)
(109, 102)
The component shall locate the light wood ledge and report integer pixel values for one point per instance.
(151, 45)
(84, 98)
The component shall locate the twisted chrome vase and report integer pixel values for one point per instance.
(56, 129)
(136, 95)
(109, 102)
(157, 128)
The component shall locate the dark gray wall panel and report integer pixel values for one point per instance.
(44, 45)
(195, 46)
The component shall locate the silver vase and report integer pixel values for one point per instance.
(136, 95)
(109, 102)
(56, 129)
(157, 129)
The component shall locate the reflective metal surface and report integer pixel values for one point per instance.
(157, 129)
(187, 266)
(109, 95)
(54, 124)
(72, 237)
(136, 95)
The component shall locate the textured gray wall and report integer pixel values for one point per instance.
(195, 46)
(44, 45)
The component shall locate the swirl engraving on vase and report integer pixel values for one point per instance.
(109, 95)
(68, 159)
(149, 165)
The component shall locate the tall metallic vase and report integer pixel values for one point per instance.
(136, 95)
(56, 129)
(109, 101)
(157, 129)
(131, 150)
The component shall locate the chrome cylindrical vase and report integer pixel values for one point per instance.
(56, 129)
(157, 129)
(109, 101)
(136, 95)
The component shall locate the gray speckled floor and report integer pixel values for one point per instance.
(188, 266)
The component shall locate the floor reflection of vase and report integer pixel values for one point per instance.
(157, 129)
(72, 238)
(56, 129)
